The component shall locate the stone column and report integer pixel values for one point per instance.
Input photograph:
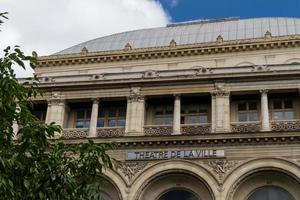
(94, 118)
(176, 115)
(220, 111)
(265, 120)
(135, 114)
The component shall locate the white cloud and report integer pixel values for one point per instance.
(48, 26)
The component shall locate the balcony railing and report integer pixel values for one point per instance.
(195, 129)
(288, 125)
(245, 127)
(158, 130)
(73, 133)
(110, 132)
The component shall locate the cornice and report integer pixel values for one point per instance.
(211, 140)
(171, 51)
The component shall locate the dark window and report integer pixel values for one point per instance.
(178, 195)
(270, 193)
(283, 109)
(247, 111)
(111, 116)
(194, 114)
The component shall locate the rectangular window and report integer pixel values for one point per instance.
(247, 111)
(83, 117)
(194, 114)
(113, 116)
(163, 115)
(283, 109)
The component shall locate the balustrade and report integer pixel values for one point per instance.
(195, 129)
(291, 125)
(245, 127)
(158, 130)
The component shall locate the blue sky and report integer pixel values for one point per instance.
(184, 10)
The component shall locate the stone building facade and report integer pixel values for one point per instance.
(205, 110)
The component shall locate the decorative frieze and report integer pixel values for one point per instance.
(285, 125)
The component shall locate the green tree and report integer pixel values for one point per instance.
(35, 166)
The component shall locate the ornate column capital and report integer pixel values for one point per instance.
(264, 91)
(56, 99)
(135, 95)
(220, 91)
(177, 96)
(96, 100)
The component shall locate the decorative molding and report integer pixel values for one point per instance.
(195, 129)
(285, 125)
(127, 47)
(130, 170)
(220, 90)
(108, 132)
(266, 42)
(75, 133)
(56, 99)
(150, 74)
(158, 130)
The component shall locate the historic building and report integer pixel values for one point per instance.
(202, 110)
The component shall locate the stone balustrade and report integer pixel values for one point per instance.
(289, 125)
(245, 127)
(195, 129)
(75, 133)
(110, 132)
(158, 130)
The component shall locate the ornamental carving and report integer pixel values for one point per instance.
(131, 169)
(195, 129)
(158, 130)
(75, 133)
(245, 127)
(285, 125)
(56, 99)
(135, 94)
(221, 167)
(199, 70)
(110, 132)
(220, 90)
(150, 74)
(260, 68)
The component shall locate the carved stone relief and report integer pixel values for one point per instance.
(130, 170)
(221, 167)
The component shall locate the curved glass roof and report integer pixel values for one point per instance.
(202, 31)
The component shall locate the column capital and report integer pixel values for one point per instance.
(177, 96)
(220, 93)
(264, 91)
(96, 100)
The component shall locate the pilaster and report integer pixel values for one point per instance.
(220, 110)
(56, 109)
(135, 115)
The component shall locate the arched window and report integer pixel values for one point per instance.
(104, 196)
(178, 195)
(270, 193)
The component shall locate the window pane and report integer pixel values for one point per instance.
(79, 124)
(122, 112)
(203, 108)
(80, 114)
(193, 119)
(242, 106)
(289, 115)
(193, 109)
(252, 106)
(112, 122)
(277, 115)
(88, 114)
(288, 104)
(100, 123)
(203, 119)
(101, 112)
(253, 116)
(112, 112)
(242, 117)
(121, 122)
(87, 124)
(158, 121)
(277, 104)
(168, 120)
(169, 111)
(158, 112)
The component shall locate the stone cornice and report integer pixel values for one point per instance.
(197, 73)
(171, 51)
(210, 140)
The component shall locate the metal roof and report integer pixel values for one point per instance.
(192, 32)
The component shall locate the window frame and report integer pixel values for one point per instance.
(283, 110)
(247, 111)
(106, 117)
(184, 113)
(86, 119)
